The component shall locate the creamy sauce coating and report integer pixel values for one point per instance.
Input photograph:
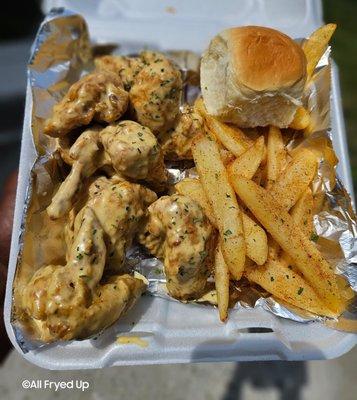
(119, 208)
(176, 143)
(128, 147)
(66, 302)
(98, 96)
(134, 151)
(156, 93)
(178, 232)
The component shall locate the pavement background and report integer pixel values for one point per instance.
(327, 380)
(314, 380)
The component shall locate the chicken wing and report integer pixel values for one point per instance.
(129, 148)
(98, 96)
(176, 143)
(126, 67)
(119, 208)
(86, 157)
(67, 302)
(134, 152)
(156, 92)
(178, 232)
(154, 84)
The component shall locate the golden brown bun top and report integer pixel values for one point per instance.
(264, 58)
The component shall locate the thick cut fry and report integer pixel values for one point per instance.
(254, 235)
(295, 179)
(301, 214)
(232, 138)
(248, 163)
(316, 45)
(255, 240)
(222, 199)
(282, 282)
(199, 107)
(221, 278)
(307, 259)
(258, 177)
(273, 249)
(226, 156)
(301, 119)
(276, 162)
(276, 155)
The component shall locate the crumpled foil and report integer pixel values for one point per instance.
(61, 53)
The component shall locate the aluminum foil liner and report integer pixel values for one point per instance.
(61, 53)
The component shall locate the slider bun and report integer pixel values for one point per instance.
(253, 76)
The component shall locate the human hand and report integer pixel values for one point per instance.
(7, 205)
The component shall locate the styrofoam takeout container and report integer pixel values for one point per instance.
(176, 332)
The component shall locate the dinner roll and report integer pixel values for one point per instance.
(253, 76)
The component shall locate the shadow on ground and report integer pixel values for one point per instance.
(288, 378)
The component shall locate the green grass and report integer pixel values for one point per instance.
(344, 52)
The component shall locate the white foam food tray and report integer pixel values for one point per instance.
(176, 332)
